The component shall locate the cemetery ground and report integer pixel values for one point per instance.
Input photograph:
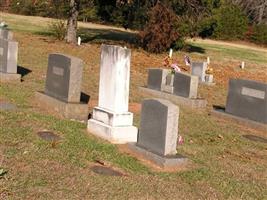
(224, 164)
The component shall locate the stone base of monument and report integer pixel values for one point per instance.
(76, 111)
(8, 77)
(164, 162)
(207, 83)
(114, 134)
(220, 112)
(192, 103)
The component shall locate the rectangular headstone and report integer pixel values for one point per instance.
(185, 85)
(64, 77)
(156, 78)
(159, 127)
(199, 69)
(111, 119)
(8, 56)
(247, 99)
(6, 34)
(114, 78)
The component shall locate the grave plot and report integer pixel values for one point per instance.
(8, 59)
(111, 119)
(246, 103)
(180, 88)
(63, 87)
(158, 134)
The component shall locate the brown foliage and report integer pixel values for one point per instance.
(161, 30)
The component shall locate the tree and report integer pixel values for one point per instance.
(160, 32)
(72, 24)
(255, 9)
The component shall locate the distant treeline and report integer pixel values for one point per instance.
(219, 19)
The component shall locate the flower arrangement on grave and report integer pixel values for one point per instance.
(209, 70)
(168, 62)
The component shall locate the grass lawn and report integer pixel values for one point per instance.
(224, 164)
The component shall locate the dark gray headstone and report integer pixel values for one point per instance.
(64, 77)
(6, 34)
(185, 85)
(159, 127)
(8, 56)
(156, 77)
(247, 99)
(199, 69)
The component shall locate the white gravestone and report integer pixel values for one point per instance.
(111, 119)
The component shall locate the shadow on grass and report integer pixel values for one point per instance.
(103, 35)
(195, 49)
(23, 71)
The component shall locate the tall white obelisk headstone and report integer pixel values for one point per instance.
(111, 119)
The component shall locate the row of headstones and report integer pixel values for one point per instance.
(8, 52)
(180, 83)
(246, 98)
(111, 120)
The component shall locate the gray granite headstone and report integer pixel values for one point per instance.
(159, 127)
(156, 77)
(8, 56)
(199, 69)
(64, 77)
(6, 34)
(185, 85)
(247, 99)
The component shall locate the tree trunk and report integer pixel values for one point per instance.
(71, 36)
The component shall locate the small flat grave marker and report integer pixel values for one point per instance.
(107, 171)
(255, 138)
(7, 106)
(48, 136)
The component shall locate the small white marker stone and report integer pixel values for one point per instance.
(79, 41)
(243, 65)
(170, 54)
(208, 60)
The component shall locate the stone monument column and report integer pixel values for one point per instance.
(111, 119)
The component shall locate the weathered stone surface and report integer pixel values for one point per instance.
(64, 77)
(8, 56)
(185, 85)
(111, 119)
(167, 85)
(159, 127)
(6, 34)
(77, 111)
(179, 100)
(157, 78)
(9, 78)
(247, 99)
(199, 69)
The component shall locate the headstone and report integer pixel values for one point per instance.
(64, 77)
(209, 78)
(247, 99)
(111, 119)
(199, 69)
(63, 88)
(167, 85)
(159, 127)
(156, 78)
(8, 56)
(185, 85)
(6, 34)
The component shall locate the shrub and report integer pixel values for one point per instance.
(259, 34)
(160, 32)
(58, 28)
(231, 23)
